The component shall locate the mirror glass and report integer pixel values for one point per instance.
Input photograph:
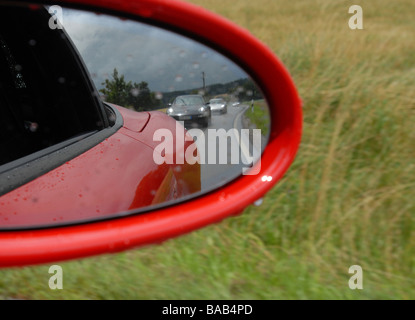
(103, 116)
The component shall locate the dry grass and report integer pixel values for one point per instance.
(348, 199)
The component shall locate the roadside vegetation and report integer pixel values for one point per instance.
(347, 200)
(258, 116)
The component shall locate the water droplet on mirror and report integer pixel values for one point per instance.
(32, 42)
(61, 80)
(258, 202)
(159, 95)
(222, 197)
(178, 78)
(135, 92)
(196, 65)
(266, 178)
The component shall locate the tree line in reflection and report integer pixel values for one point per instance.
(139, 97)
(135, 96)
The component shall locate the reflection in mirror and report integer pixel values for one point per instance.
(164, 118)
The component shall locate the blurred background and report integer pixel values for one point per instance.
(347, 200)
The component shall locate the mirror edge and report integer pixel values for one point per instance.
(63, 243)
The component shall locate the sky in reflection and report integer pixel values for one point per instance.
(166, 61)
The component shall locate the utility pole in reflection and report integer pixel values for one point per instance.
(204, 84)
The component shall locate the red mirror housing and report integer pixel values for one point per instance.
(21, 247)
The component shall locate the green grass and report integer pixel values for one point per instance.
(259, 116)
(348, 198)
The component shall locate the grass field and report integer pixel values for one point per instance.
(347, 200)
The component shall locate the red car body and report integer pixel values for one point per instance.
(115, 176)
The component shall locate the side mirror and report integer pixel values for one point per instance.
(115, 176)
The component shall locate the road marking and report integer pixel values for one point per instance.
(244, 141)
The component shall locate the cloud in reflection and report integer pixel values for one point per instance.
(163, 59)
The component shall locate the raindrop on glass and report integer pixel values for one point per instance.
(258, 202)
(135, 92)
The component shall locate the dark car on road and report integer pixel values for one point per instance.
(192, 109)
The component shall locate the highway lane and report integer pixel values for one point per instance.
(223, 161)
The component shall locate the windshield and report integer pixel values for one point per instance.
(189, 100)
